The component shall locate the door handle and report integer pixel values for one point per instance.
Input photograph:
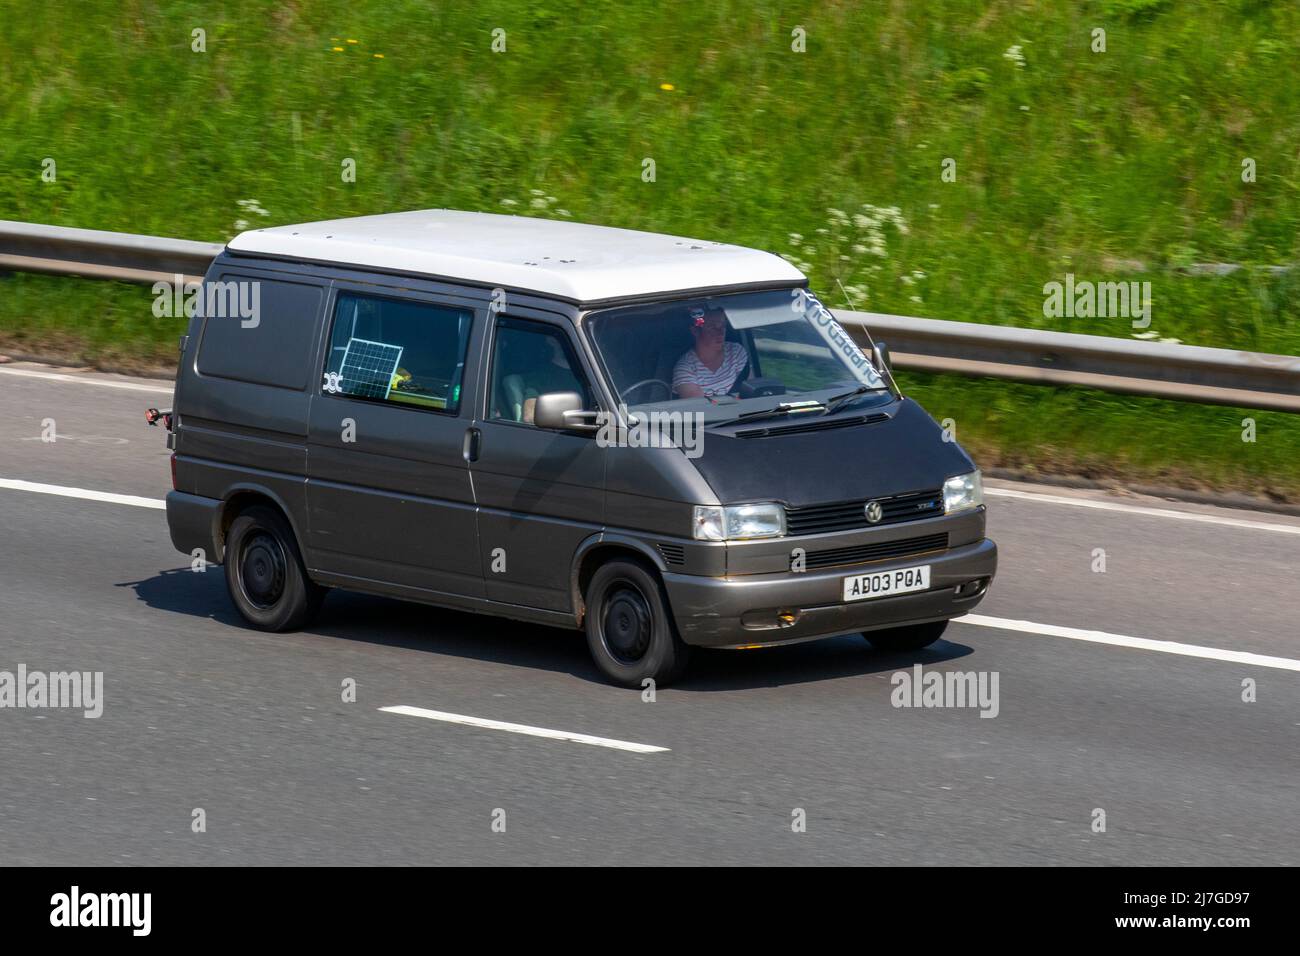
(469, 450)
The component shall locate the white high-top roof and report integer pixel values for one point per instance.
(571, 260)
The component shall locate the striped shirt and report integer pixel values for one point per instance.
(689, 370)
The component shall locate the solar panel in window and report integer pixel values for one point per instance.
(368, 368)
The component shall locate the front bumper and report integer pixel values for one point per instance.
(742, 610)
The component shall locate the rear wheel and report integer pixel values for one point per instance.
(913, 637)
(264, 572)
(630, 631)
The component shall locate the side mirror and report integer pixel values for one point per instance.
(563, 410)
(880, 358)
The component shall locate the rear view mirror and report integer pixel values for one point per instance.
(563, 410)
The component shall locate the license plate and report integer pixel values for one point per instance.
(863, 587)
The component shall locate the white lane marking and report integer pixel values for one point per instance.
(1142, 510)
(524, 729)
(85, 380)
(1140, 643)
(85, 493)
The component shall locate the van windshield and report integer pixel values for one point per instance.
(732, 356)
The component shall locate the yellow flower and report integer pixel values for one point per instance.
(354, 41)
(667, 86)
(379, 56)
(337, 49)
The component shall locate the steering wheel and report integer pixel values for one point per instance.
(668, 389)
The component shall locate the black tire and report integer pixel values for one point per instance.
(264, 572)
(913, 637)
(630, 631)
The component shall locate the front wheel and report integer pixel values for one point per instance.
(630, 631)
(913, 637)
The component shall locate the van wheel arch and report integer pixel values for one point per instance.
(240, 500)
(598, 552)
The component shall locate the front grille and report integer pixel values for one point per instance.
(673, 553)
(815, 425)
(878, 551)
(846, 515)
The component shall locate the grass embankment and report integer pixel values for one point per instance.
(1066, 160)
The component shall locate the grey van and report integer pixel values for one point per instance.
(663, 441)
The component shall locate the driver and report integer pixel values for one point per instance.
(713, 365)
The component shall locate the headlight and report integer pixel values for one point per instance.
(963, 493)
(735, 522)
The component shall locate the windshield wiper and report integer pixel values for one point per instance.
(826, 407)
(783, 408)
(836, 402)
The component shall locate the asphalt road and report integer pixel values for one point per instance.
(201, 712)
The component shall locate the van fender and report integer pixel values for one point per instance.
(605, 539)
(249, 487)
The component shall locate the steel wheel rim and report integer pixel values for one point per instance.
(627, 623)
(263, 570)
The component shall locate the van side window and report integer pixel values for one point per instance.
(531, 359)
(261, 331)
(397, 351)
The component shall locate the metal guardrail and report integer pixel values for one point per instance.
(30, 247)
(1188, 373)
(1158, 369)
